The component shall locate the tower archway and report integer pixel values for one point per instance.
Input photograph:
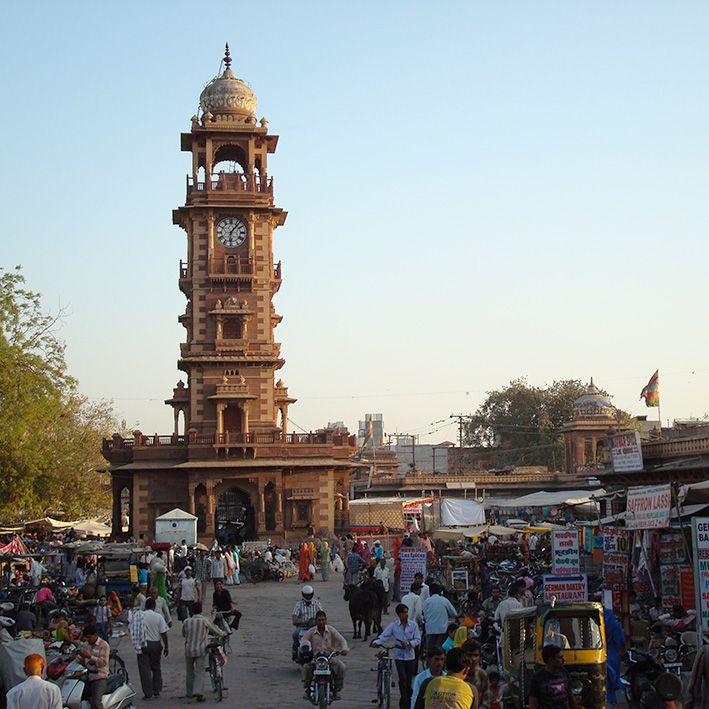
(235, 518)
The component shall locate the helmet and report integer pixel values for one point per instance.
(307, 591)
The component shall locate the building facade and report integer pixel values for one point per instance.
(230, 459)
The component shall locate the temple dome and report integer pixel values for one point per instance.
(593, 403)
(227, 94)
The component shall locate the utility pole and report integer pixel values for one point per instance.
(461, 419)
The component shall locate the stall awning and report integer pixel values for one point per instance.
(551, 499)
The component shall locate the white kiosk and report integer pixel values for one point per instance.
(176, 525)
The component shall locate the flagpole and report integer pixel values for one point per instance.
(659, 397)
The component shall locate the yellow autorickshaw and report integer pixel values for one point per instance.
(577, 628)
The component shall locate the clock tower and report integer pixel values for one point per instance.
(231, 460)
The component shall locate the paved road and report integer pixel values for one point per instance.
(259, 673)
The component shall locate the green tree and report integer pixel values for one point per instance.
(522, 423)
(50, 435)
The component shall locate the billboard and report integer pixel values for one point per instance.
(565, 556)
(700, 547)
(626, 453)
(566, 589)
(648, 507)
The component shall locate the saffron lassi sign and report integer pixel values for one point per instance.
(648, 507)
(566, 558)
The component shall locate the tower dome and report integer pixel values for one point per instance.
(227, 94)
(593, 403)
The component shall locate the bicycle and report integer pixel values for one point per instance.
(384, 675)
(220, 620)
(116, 665)
(216, 661)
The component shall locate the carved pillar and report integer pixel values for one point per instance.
(116, 517)
(220, 417)
(593, 450)
(245, 417)
(284, 419)
(220, 327)
(176, 414)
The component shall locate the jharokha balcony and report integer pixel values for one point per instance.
(235, 186)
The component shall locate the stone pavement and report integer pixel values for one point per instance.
(259, 673)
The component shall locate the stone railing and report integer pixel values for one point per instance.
(677, 448)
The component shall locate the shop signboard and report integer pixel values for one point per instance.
(412, 562)
(626, 452)
(648, 507)
(565, 557)
(566, 589)
(616, 555)
(700, 547)
(672, 549)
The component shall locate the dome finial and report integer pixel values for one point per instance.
(227, 56)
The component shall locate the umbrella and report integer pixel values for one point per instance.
(201, 547)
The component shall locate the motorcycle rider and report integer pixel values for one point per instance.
(323, 638)
(304, 615)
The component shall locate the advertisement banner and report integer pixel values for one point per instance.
(648, 507)
(565, 556)
(616, 556)
(672, 548)
(626, 453)
(566, 589)
(412, 562)
(700, 547)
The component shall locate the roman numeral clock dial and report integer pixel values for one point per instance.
(231, 232)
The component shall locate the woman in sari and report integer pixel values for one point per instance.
(303, 563)
(230, 566)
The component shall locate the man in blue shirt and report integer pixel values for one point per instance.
(436, 662)
(405, 633)
(437, 610)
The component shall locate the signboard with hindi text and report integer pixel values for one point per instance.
(626, 453)
(565, 556)
(616, 557)
(566, 589)
(700, 547)
(412, 562)
(648, 507)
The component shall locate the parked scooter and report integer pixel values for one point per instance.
(118, 694)
(648, 685)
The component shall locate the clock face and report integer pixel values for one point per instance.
(231, 232)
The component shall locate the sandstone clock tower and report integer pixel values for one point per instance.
(230, 460)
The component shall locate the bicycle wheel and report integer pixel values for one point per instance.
(387, 687)
(213, 671)
(116, 666)
(380, 685)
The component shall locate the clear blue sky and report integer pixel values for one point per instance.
(476, 192)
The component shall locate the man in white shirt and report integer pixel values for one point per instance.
(425, 590)
(188, 593)
(412, 600)
(382, 573)
(161, 606)
(149, 660)
(34, 692)
(512, 602)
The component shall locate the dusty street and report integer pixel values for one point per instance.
(259, 672)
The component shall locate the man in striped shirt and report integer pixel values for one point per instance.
(196, 631)
(304, 615)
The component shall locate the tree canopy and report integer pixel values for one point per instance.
(50, 435)
(522, 423)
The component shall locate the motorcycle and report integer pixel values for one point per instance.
(321, 690)
(118, 694)
(648, 685)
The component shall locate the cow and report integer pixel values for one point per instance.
(366, 605)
